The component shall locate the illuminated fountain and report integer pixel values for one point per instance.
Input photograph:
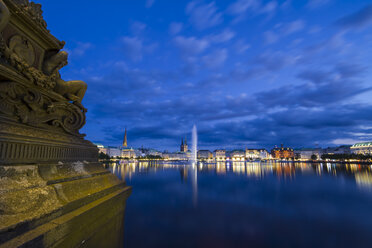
(194, 147)
(194, 164)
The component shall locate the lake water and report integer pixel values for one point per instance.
(247, 204)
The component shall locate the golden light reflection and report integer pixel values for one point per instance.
(258, 170)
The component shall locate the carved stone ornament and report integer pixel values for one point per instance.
(32, 107)
(33, 10)
(20, 55)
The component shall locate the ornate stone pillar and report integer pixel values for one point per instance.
(53, 190)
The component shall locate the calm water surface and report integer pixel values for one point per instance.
(247, 204)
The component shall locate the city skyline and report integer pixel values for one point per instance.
(248, 73)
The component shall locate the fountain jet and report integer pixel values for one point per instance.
(194, 148)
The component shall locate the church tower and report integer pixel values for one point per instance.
(184, 146)
(125, 144)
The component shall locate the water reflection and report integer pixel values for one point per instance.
(220, 204)
(361, 173)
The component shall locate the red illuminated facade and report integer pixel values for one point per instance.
(282, 153)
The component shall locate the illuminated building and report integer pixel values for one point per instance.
(111, 151)
(101, 148)
(282, 153)
(220, 155)
(184, 147)
(237, 155)
(362, 148)
(254, 154)
(128, 153)
(205, 154)
(307, 153)
(176, 155)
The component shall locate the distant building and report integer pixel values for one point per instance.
(176, 155)
(337, 150)
(307, 153)
(254, 154)
(113, 151)
(219, 155)
(101, 148)
(282, 153)
(184, 146)
(362, 148)
(128, 153)
(237, 155)
(205, 154)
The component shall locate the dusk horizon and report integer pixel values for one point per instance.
(248, 73)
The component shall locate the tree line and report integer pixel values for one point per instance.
(345, 156)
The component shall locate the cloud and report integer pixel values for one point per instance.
(315, 76)
(274, 61)
(80, 49)
(312, 4)
(294, 114)
(269, 7)
(133, 48)
(203, 16)
(282, 30)
(175, 28)
(149, 3)
(347, 70)
(241, 46)
(137, 27)
(215, 59)
(293, 27)
(241, 6)
(224, 36)
(270, 37)
(359, 19)
(190, 45)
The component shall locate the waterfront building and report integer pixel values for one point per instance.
(205, 154)
(282, 152)
(237, 155)
(113, 151)
(337, 150)
(176, 155)
(184, 146)
(254, 154)
(307, 153)
(364, 148)
(128, 153)
(101, 148)
(219, 155)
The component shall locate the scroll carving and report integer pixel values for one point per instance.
(32, 107)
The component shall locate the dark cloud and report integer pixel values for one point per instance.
(358, 19)
(315, 76)
(294, 114)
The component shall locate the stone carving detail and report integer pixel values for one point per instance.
(33, 10)
(19, 55)
(32, 107)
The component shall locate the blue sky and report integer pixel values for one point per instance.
(248, 73)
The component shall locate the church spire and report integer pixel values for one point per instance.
(125, 144)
